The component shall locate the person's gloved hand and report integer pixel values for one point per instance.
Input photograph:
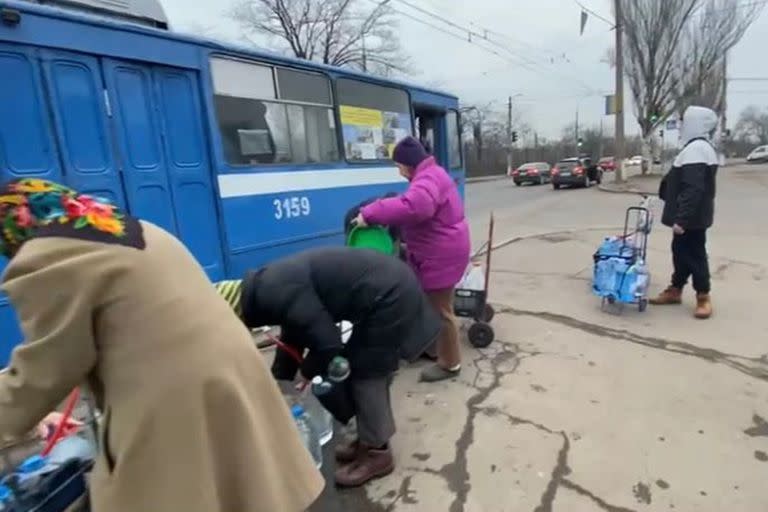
(316, 363)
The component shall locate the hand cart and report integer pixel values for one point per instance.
(63, 486)
(621, 275)
(471, 295)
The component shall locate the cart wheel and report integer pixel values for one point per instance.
(611, 300)
(642, 305)
(488, 313)
(481, 335)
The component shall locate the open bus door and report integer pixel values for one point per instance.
(438, 129)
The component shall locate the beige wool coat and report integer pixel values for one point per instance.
(193, 421)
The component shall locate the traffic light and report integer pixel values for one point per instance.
(580, 142)
(661, 134)
(514, 136)
(654, 118)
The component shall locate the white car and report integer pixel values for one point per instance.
(635, 160)
(759, 154)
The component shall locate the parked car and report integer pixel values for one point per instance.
(537, 173)
(636, 160)
(575, 172)
(758, 155)
(607, 164)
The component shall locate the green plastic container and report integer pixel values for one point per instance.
(376, 238)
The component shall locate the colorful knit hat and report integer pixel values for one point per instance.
(32, 207)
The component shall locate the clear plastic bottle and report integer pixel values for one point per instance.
(308, 434)
(5, 497)
(338, 369)
(642, 279)
(321, 418)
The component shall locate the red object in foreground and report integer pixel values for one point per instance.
(291, 352)
(62, 426)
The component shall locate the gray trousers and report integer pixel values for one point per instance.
(373, 406)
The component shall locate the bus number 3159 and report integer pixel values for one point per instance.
(292, 207)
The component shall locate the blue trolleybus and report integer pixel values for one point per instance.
(245, 156)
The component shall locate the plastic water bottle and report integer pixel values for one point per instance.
(641, 280)
(308, 434)
(338, 369)
(5, 497)
(321, 418)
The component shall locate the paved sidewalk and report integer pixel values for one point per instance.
(574, 409)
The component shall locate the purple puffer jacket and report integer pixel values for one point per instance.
(431, 216)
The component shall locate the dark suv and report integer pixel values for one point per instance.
(576, 172)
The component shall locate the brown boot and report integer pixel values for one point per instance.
(368, 465)
(703, 306)
(668, 297)
(346, 453)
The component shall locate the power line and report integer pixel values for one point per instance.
(526, 63)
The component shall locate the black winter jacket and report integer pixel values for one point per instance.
(688, 189)
(308, 294)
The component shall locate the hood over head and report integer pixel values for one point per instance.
(698, 123)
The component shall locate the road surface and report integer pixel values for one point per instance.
(576, 410)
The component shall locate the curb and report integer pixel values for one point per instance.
(480, 179)
(634, 192)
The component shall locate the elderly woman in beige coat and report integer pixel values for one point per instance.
(193, 421)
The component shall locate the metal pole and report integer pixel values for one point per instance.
(600, 145)
(577, 131)
(619, 95)
(724, 119)
(509, 136)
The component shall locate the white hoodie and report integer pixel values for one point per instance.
(695, 133)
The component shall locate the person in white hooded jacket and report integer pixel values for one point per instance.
(688, 191)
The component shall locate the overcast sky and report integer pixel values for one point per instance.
(554, 70)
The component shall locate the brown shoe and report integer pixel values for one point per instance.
(346, 453)
(703, 306)
(668, 297)
(368, 465)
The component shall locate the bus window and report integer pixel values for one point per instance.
(272, 115)
(454, 139)
(374, 118)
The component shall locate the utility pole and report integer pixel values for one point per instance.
(365, 57)
(724, 106)
(619, 95)
(509, 135)
(577, 131)
(600, 144)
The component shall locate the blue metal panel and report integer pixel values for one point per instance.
(26, 149)
(254, 232)
(137, 130)
(76, 99)
(55, 28)
(186, 156)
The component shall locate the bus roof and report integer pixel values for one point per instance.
(212, 44)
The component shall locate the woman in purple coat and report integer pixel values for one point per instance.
(430, 215)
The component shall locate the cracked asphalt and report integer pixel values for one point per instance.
(574, 409)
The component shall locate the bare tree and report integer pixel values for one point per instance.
(753, 126)
(711, 34)
(334, 32)
(675, 55)
(653, 32)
